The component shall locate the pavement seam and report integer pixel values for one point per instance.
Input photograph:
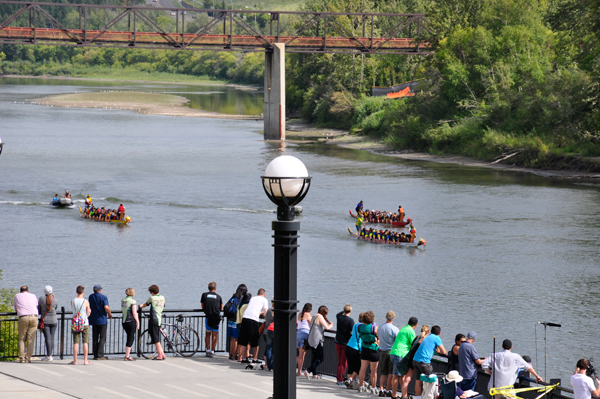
(40, 385)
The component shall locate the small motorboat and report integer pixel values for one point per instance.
(63, 203)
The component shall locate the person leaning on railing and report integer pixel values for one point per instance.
(131, 322)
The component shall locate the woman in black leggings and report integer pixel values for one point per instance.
(131, 323)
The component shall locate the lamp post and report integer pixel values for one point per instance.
(286, 183)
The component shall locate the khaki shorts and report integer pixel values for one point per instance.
(85, 336)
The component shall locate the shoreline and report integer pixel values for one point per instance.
(301, 132)
(297, 130)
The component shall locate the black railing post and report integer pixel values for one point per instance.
(139, 333)
(62, 332)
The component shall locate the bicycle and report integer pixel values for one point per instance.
(184, 340)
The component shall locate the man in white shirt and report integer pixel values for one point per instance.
(583, 386)
(26, 306)
(249, 334)
(504, 367)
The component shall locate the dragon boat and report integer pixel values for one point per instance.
(420, 243)
(125, 221)
(397, 224)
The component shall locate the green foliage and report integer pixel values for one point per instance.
(8, 336)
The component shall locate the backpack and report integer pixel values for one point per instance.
(77, 322)
(230, 308)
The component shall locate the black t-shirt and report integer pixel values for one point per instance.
(212, 304)
(343, 328)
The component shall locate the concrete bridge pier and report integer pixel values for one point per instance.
(274, 107)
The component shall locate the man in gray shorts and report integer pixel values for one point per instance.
(387, 336)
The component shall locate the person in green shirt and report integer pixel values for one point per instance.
(157, 305)
(401, 346)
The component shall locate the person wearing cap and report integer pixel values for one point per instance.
(25, 305)
(67, 194)
(47, 305)
(504, 367)
(98, 319)
(468, 360)
(455, 377)
(88, 201)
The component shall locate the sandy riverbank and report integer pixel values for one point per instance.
(142, 103)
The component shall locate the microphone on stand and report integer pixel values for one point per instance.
(548, 324)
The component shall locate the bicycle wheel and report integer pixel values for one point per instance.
(187, 341)
(147, 348)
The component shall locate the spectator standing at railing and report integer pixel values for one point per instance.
(583, 386)
(400, 349)
(249, 334)
(468, 360)
(47, 305)
(157, 305)
(230, 311)
(353, 355)
(269, 333)
(242, 305)
(422, 360)
(212, 304)
(26, 306)
(81, 306)
(316, 340)
(99, 321)
(131, 322)
(342, 336)
(387, 336)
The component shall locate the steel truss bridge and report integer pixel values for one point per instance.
(223, 30)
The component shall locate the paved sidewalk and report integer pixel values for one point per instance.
(196, 377)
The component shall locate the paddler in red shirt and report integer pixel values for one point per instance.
(121, 212)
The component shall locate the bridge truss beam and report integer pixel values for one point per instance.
(137, 27)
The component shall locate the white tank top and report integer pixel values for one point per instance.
(304, 324)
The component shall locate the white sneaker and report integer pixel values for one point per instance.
(49, 358)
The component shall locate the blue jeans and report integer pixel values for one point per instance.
(269, 349)
(466, 384)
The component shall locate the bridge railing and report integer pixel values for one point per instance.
(208, 29)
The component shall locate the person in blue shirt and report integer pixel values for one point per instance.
(422, 360)
(359, 207)
(55, 197)
(98, 318)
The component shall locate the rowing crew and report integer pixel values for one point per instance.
(375, 216)
(103, 214)
(387, 236)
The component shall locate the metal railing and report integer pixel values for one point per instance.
(115, 335)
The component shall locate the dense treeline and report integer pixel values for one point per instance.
(505, 76)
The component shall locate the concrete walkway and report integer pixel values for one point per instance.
(176, 377)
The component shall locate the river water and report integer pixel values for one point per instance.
(505, 249)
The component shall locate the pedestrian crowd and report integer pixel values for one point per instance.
(403, 353)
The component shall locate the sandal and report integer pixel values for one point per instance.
(129, 358)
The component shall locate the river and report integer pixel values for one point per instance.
(505, 250)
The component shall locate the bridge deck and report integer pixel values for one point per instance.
(195, 41)
(196, 377)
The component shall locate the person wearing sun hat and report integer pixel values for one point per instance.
(454, 376)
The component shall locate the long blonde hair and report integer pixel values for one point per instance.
(424, 330)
